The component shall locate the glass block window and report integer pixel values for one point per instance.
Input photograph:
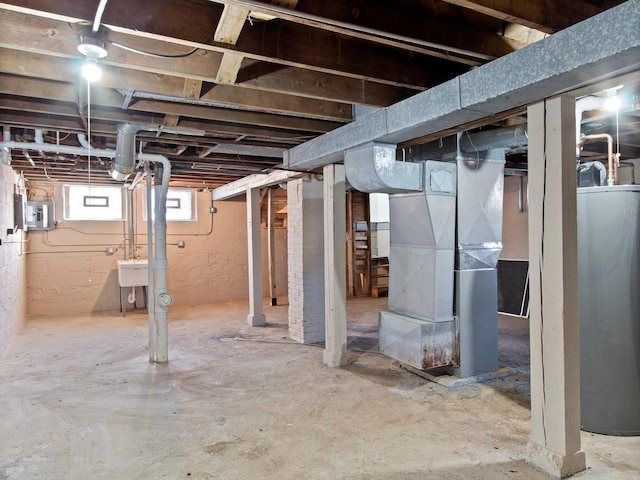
(89, 202)
(181, 205)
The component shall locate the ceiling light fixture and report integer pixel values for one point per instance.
(93, 50)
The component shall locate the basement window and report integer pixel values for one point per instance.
(181, 205)
(89, 202)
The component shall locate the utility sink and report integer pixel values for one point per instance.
(133, 273)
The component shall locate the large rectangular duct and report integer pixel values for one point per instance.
(419, 329)
(479, 243)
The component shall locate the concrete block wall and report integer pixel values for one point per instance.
(13, 276)
(305, 225)
(211, 267)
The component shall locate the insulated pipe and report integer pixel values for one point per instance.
(612, 170)
(161, 296)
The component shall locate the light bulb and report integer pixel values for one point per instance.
(91, 71)
(612, 103)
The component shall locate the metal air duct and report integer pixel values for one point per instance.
(373, 168)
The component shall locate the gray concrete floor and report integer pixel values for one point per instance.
(79, 400)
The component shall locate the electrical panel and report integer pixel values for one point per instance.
(40, 215)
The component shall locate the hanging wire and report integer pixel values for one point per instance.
(617, 131)
(474, 147)
(89, 167)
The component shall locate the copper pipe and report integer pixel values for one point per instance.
(612, 170)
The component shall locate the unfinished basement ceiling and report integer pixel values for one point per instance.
(242, 80)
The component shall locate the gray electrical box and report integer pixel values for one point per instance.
(20, 211)
(40, 215)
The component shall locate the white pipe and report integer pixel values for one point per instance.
(50, 147)
(135, 181)
(38, 137)
(6, 151)
(98, 17)
(132, 247)
(151, 297)
(28, 157)
(82, 139)
(162, 297)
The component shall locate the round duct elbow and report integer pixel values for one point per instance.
(119, 172)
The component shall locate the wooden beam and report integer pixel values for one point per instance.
(191, 89)
(410, 28)
(229, 68)
(288, 44)
(253, 74)
(66, 92)
(239, 187)
(223, 94)
(230, 25)
(313, 84)
(551, 16)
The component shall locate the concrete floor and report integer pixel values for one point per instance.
(79, 400)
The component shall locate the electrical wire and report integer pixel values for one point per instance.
(151, 54)
(474, 147)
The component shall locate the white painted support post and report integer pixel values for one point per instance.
(335, 266)
(271, 246)
(255, 318)
(554, 329)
